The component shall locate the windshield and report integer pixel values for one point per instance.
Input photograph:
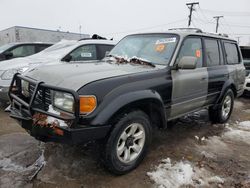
(154, 48)
(5, 47)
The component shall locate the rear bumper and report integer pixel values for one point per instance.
(65, 135)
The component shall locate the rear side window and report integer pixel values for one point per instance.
(192, 47)
(22, 51)
(41, 47)
(232, 54)
(103, 49)
(84, 53)
(212, 52)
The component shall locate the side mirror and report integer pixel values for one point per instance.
(187, 62)
(67, 58)
(8, 54)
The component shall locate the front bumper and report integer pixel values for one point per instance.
(60, 134)
(34, 119)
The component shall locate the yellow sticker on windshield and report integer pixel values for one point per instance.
(160, 47)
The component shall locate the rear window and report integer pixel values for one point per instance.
(212, 52)
(232, 54)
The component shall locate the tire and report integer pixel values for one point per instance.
(130, 131)
(222, 113)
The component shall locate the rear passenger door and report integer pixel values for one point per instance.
(189, 86)
(217, 71)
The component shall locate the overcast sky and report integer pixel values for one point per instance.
(116, 18)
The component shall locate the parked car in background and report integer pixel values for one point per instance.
(245, 50)
(15, 50)
(64, 51)
(147, 81)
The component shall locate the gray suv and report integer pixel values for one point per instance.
(147, 80)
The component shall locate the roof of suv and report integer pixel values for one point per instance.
(183, 32)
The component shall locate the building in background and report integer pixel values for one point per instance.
(27, 34)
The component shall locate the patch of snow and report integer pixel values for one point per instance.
(244, 125)
(238, 136)
(215, 179)
(8, 165)
(168, 175)
(51, 120)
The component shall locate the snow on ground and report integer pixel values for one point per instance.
(244, 125)
(7, 164)
(169, 175)
(183, 173)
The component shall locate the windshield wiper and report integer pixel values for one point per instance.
(134, 60)
(140, 61)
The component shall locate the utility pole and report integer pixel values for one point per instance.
(191, 9)
(238, 39)
(217, 22)
(80, 31)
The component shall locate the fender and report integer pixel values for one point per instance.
(121, 101)
(226, 85)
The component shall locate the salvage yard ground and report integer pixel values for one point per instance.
(190, 153)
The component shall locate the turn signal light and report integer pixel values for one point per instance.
(87, 104)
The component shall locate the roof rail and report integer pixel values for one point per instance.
(217, 34)
(223, 35)
(197, 30)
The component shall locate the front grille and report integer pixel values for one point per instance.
(43, 97)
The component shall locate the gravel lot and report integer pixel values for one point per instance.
(190, 153)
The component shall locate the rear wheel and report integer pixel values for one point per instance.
(128, 142)
(223, 112)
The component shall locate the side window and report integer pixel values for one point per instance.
(84, 53)
(232, 54)
(41, 47)
(192, 47)
(103, 49)
(212, 52)
(22, 51)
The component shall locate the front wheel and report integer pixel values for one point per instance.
(128, 142)
(223, 112)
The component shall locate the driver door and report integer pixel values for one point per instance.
(190, 86)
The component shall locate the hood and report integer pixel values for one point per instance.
(24, 62)
(74, 76)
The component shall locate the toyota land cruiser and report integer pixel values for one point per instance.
(146, 81)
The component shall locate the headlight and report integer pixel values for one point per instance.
(87, 104)
(63, 101)
(25, 88)
(8, 74)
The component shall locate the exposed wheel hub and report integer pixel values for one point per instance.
(129, 142)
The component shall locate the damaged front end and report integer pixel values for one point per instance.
(32, 107)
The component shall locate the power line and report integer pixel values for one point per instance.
(191, 9)
(146, 28)
(228, 13)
